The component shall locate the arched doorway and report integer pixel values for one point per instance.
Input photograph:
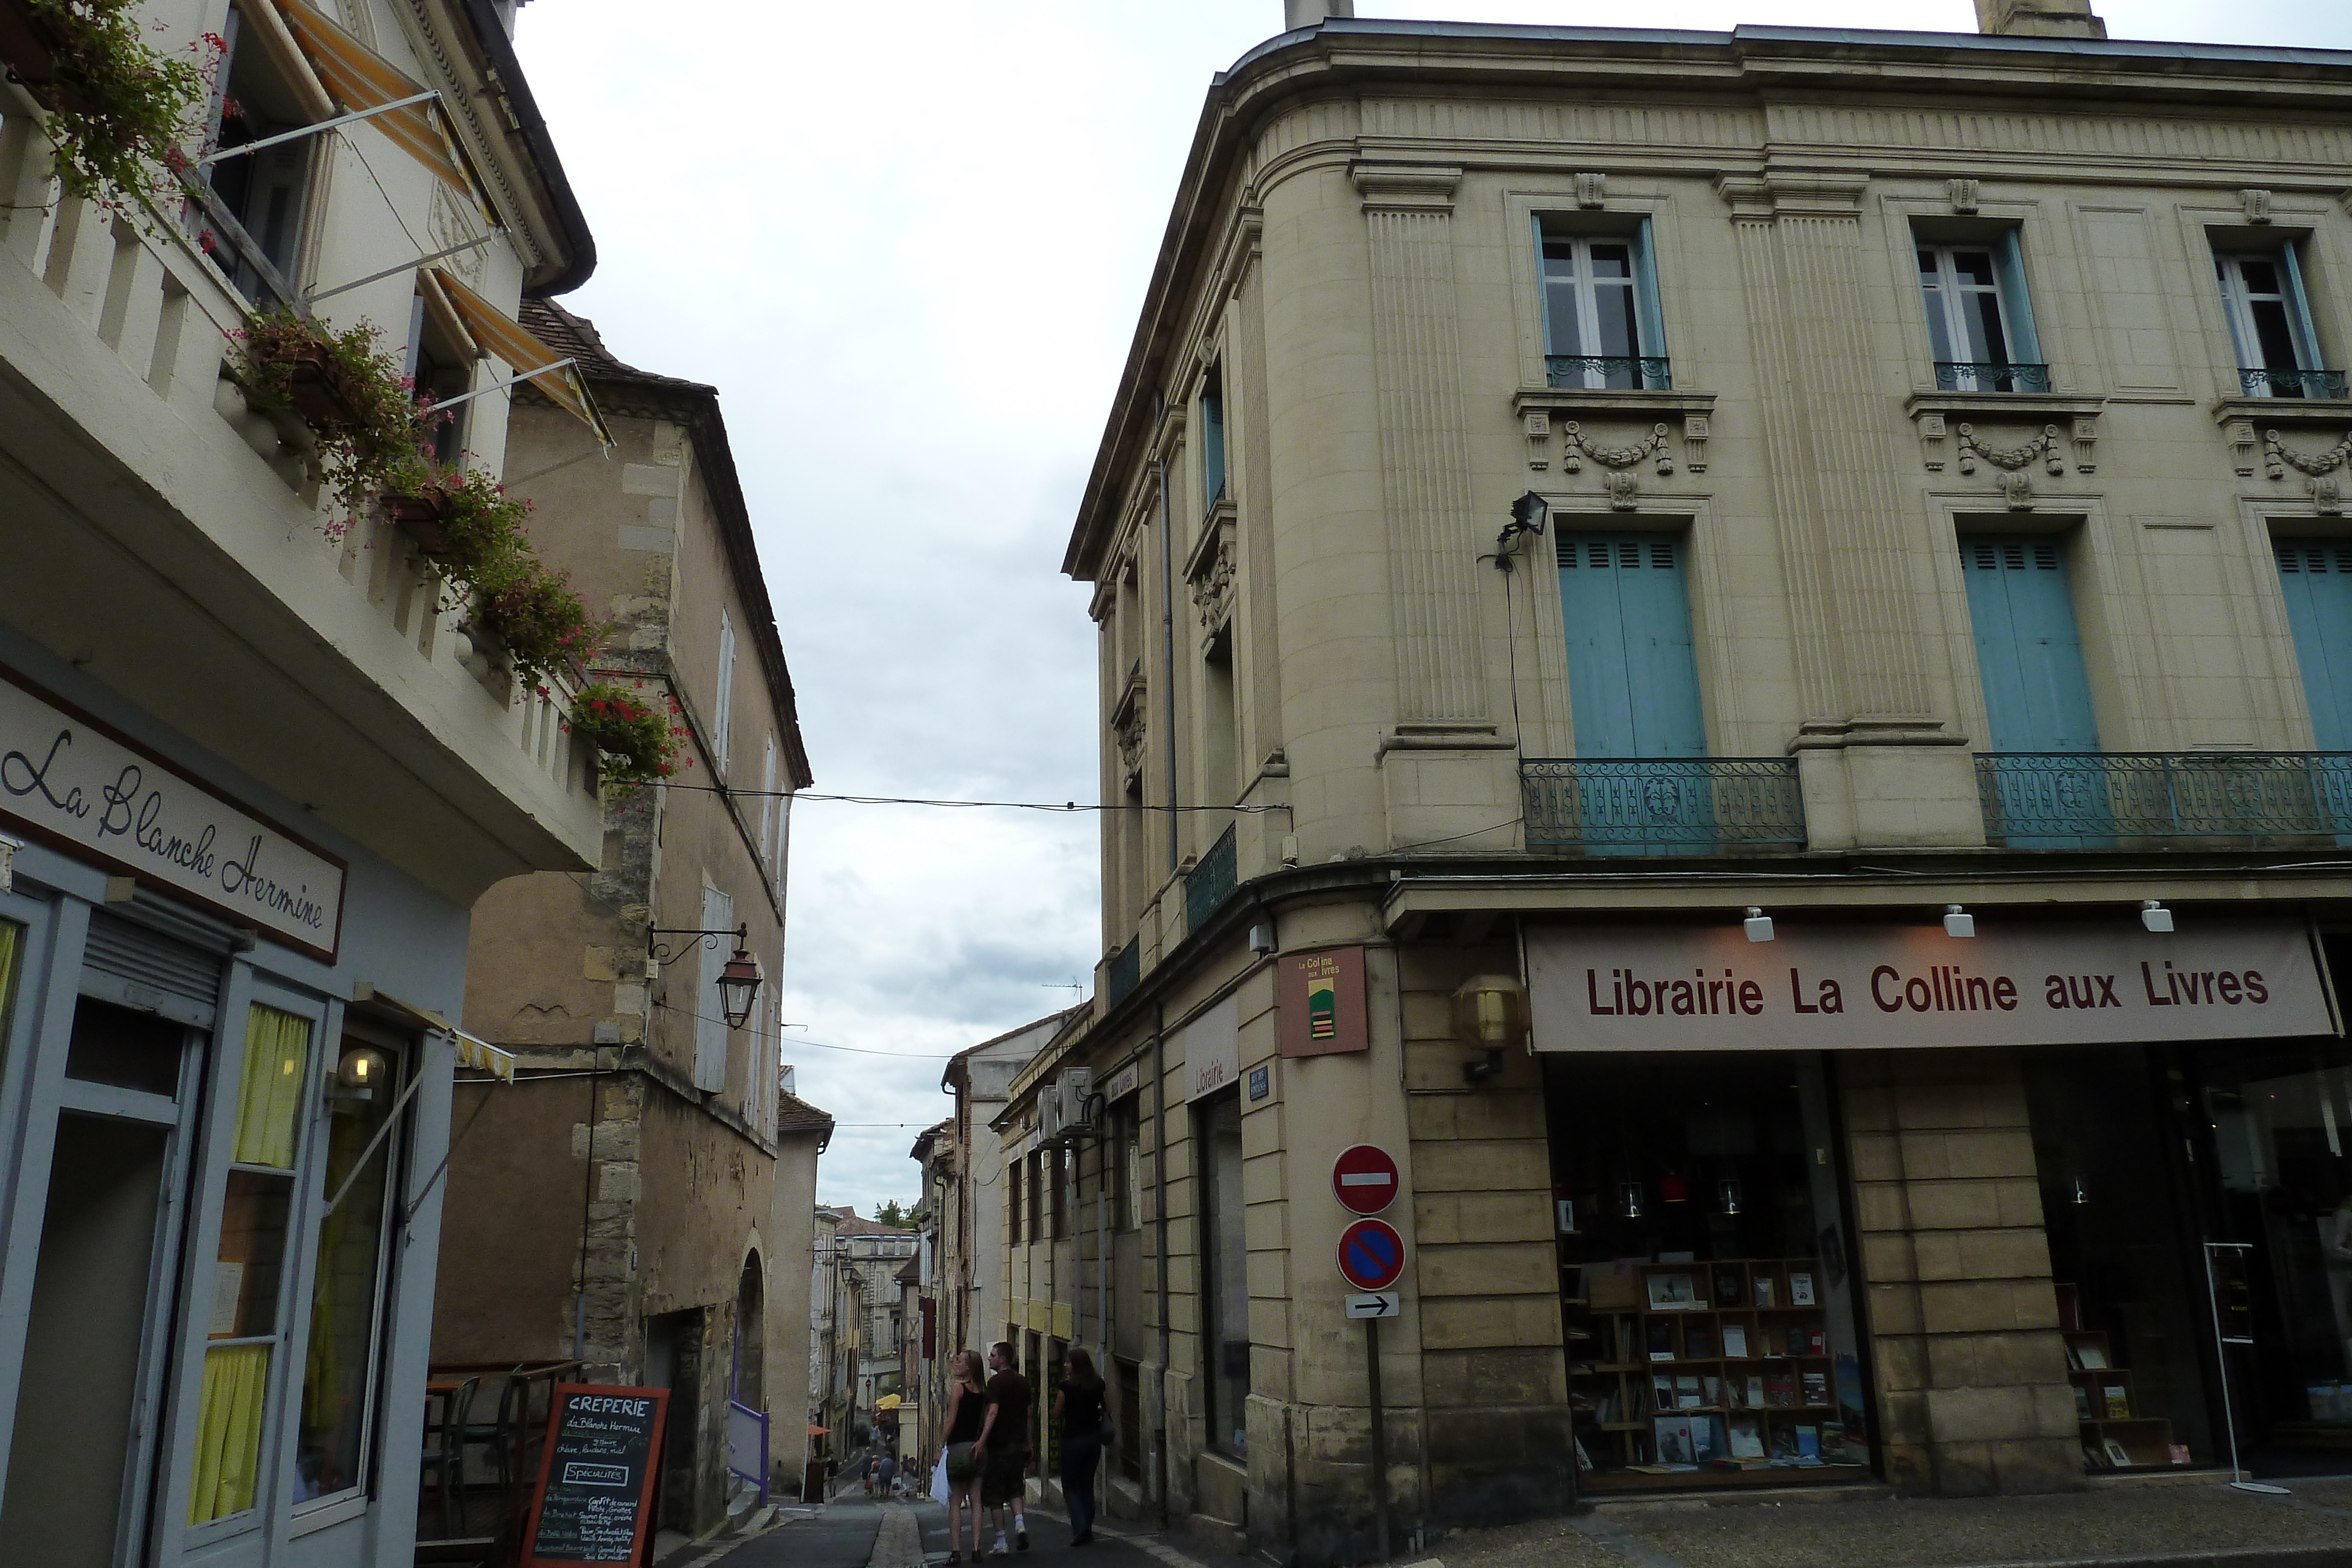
(751, 1336)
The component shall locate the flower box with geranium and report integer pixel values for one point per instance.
(370, 427)
(638, 738)
(121, 114)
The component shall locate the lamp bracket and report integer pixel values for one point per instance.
(667, 952)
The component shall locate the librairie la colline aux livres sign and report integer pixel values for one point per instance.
(1865, 986)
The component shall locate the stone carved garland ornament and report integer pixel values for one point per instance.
(2326, 487)
(1577, 448)
(2044, 446)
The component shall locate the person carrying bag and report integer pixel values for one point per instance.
(958, 1475)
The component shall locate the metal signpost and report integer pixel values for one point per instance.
(2232, 1299)
(1365, 1180)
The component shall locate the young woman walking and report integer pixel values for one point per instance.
(1079, 1409)
(966, 1406)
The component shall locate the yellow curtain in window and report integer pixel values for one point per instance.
(276, 1045)
(7, 965)
(228, 1431)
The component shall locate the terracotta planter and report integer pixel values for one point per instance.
(420, 518)
(31, 44)
(317, 392)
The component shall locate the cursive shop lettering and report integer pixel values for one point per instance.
(242, 881)
(15, 765)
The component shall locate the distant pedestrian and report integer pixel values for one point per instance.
(865, 1471)
(1004, 1442)
(1078, 1409)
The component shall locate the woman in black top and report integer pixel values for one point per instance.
(966, 1407)
(1079, 1408)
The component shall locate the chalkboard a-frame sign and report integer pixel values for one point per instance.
(597, 1471)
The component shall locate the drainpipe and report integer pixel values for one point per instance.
(1160, 1175)
(1102, 1249)
(1168, 645)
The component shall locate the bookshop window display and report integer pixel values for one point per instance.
(1706, 1288)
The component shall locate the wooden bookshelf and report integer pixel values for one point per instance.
(2107, 1409)
(1704, 1371)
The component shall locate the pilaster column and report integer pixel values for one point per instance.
(1424, 448)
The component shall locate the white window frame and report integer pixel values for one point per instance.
(2238, 299)
(722, 706)
(1641, 296)
(1955, 300)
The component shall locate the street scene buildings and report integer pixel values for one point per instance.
(1723, 741)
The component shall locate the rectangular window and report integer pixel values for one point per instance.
(1035, 1230)
(1980, 321)
(440, 363)
(1057, 1171)
(2271, 325)
(244, 1302)
(722, 706)
(1224, 1250)
(1601, 325)
(784, 844)
(1632, 670)
(1213, 437)
(1013, 1212)
(2037, 690)
(338, 1374)
(254, 203)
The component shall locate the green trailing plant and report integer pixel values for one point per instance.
(477, 536)
(640, 742)
(121, 115)
(372, 429)
(539, 616)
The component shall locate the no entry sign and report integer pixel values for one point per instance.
(1372, 1255)
(1364, 1178)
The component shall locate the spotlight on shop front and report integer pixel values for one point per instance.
(1958, 922)
(1490, 1011)
(2155, 917)
(1758, 925)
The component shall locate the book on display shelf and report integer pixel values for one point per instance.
(1735, 1341)
(2118, 1401)
(1755, 1392)
(1727, 1289)
(2092, 1357)
(1662, 1339)
(1780, 1391)
(1764, 1292)
(1747, 1438)
(2083, 1404)
(1672, 1293)
(1662, 1390)
(1688, 1395)
(1800, 1290)
(1817, 1388)
(1711, 1391)
(2117, 1454)
(1809, 1445)
(1698, 1345)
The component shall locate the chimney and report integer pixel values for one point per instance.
(1297, 14)
(2034, 19)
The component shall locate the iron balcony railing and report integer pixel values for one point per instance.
(1610, 372)
(1126, 971)
(2063, 800)
(1211, 881)
(2322, 384)
(1662, 805)
(1991, 375)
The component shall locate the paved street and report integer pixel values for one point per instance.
(858, 1532)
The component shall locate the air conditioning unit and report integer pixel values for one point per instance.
(1075, 1088)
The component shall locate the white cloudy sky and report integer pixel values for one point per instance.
(908, 241)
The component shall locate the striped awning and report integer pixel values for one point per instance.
(358, 78)
(482, 1056)
(495, 332)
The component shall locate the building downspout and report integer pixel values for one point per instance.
(1160, 1209)
(1168, 648)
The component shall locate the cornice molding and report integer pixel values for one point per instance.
(1407, 187)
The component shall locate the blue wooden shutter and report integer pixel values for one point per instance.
(2298, 312)
(1647, 315)
(2029, 650)
(2016, 304)
(1633, 671)
(2316, 576)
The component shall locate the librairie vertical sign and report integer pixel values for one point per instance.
(74, 783)
(1872, 986)
(595, 1499)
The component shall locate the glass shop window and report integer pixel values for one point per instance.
(339, 1373)
(1708, 1284)
(246, 1327)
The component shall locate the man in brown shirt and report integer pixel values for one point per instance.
(1003, 1446)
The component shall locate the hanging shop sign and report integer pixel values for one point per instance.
(1877, 987)
(1322, 1001)
(76, 783)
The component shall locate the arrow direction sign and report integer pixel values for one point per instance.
(1372, 1255)
(1378, 1304)
(1364, 1178)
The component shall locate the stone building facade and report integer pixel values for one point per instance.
(638, 1098)
(1580, 507)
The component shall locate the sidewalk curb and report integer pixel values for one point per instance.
(2322, 1556)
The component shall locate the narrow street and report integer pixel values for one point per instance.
(855, 1531)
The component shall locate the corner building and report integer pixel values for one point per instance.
(1939, 441)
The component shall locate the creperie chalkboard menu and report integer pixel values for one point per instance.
(596, 1475)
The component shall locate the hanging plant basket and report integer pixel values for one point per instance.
(318, 395)
(32, 45)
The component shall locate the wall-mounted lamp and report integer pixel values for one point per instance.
(1726, 1196)
(1958, 922)
(2155, 917)
(1629, 1200)
(1527, 515)
(739, 981)
(358, 1072)
(2080, 1193)
(1758, 925)
(1490, 1011)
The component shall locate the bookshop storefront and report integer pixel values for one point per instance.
(215, 1281)
(1789, 1170)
